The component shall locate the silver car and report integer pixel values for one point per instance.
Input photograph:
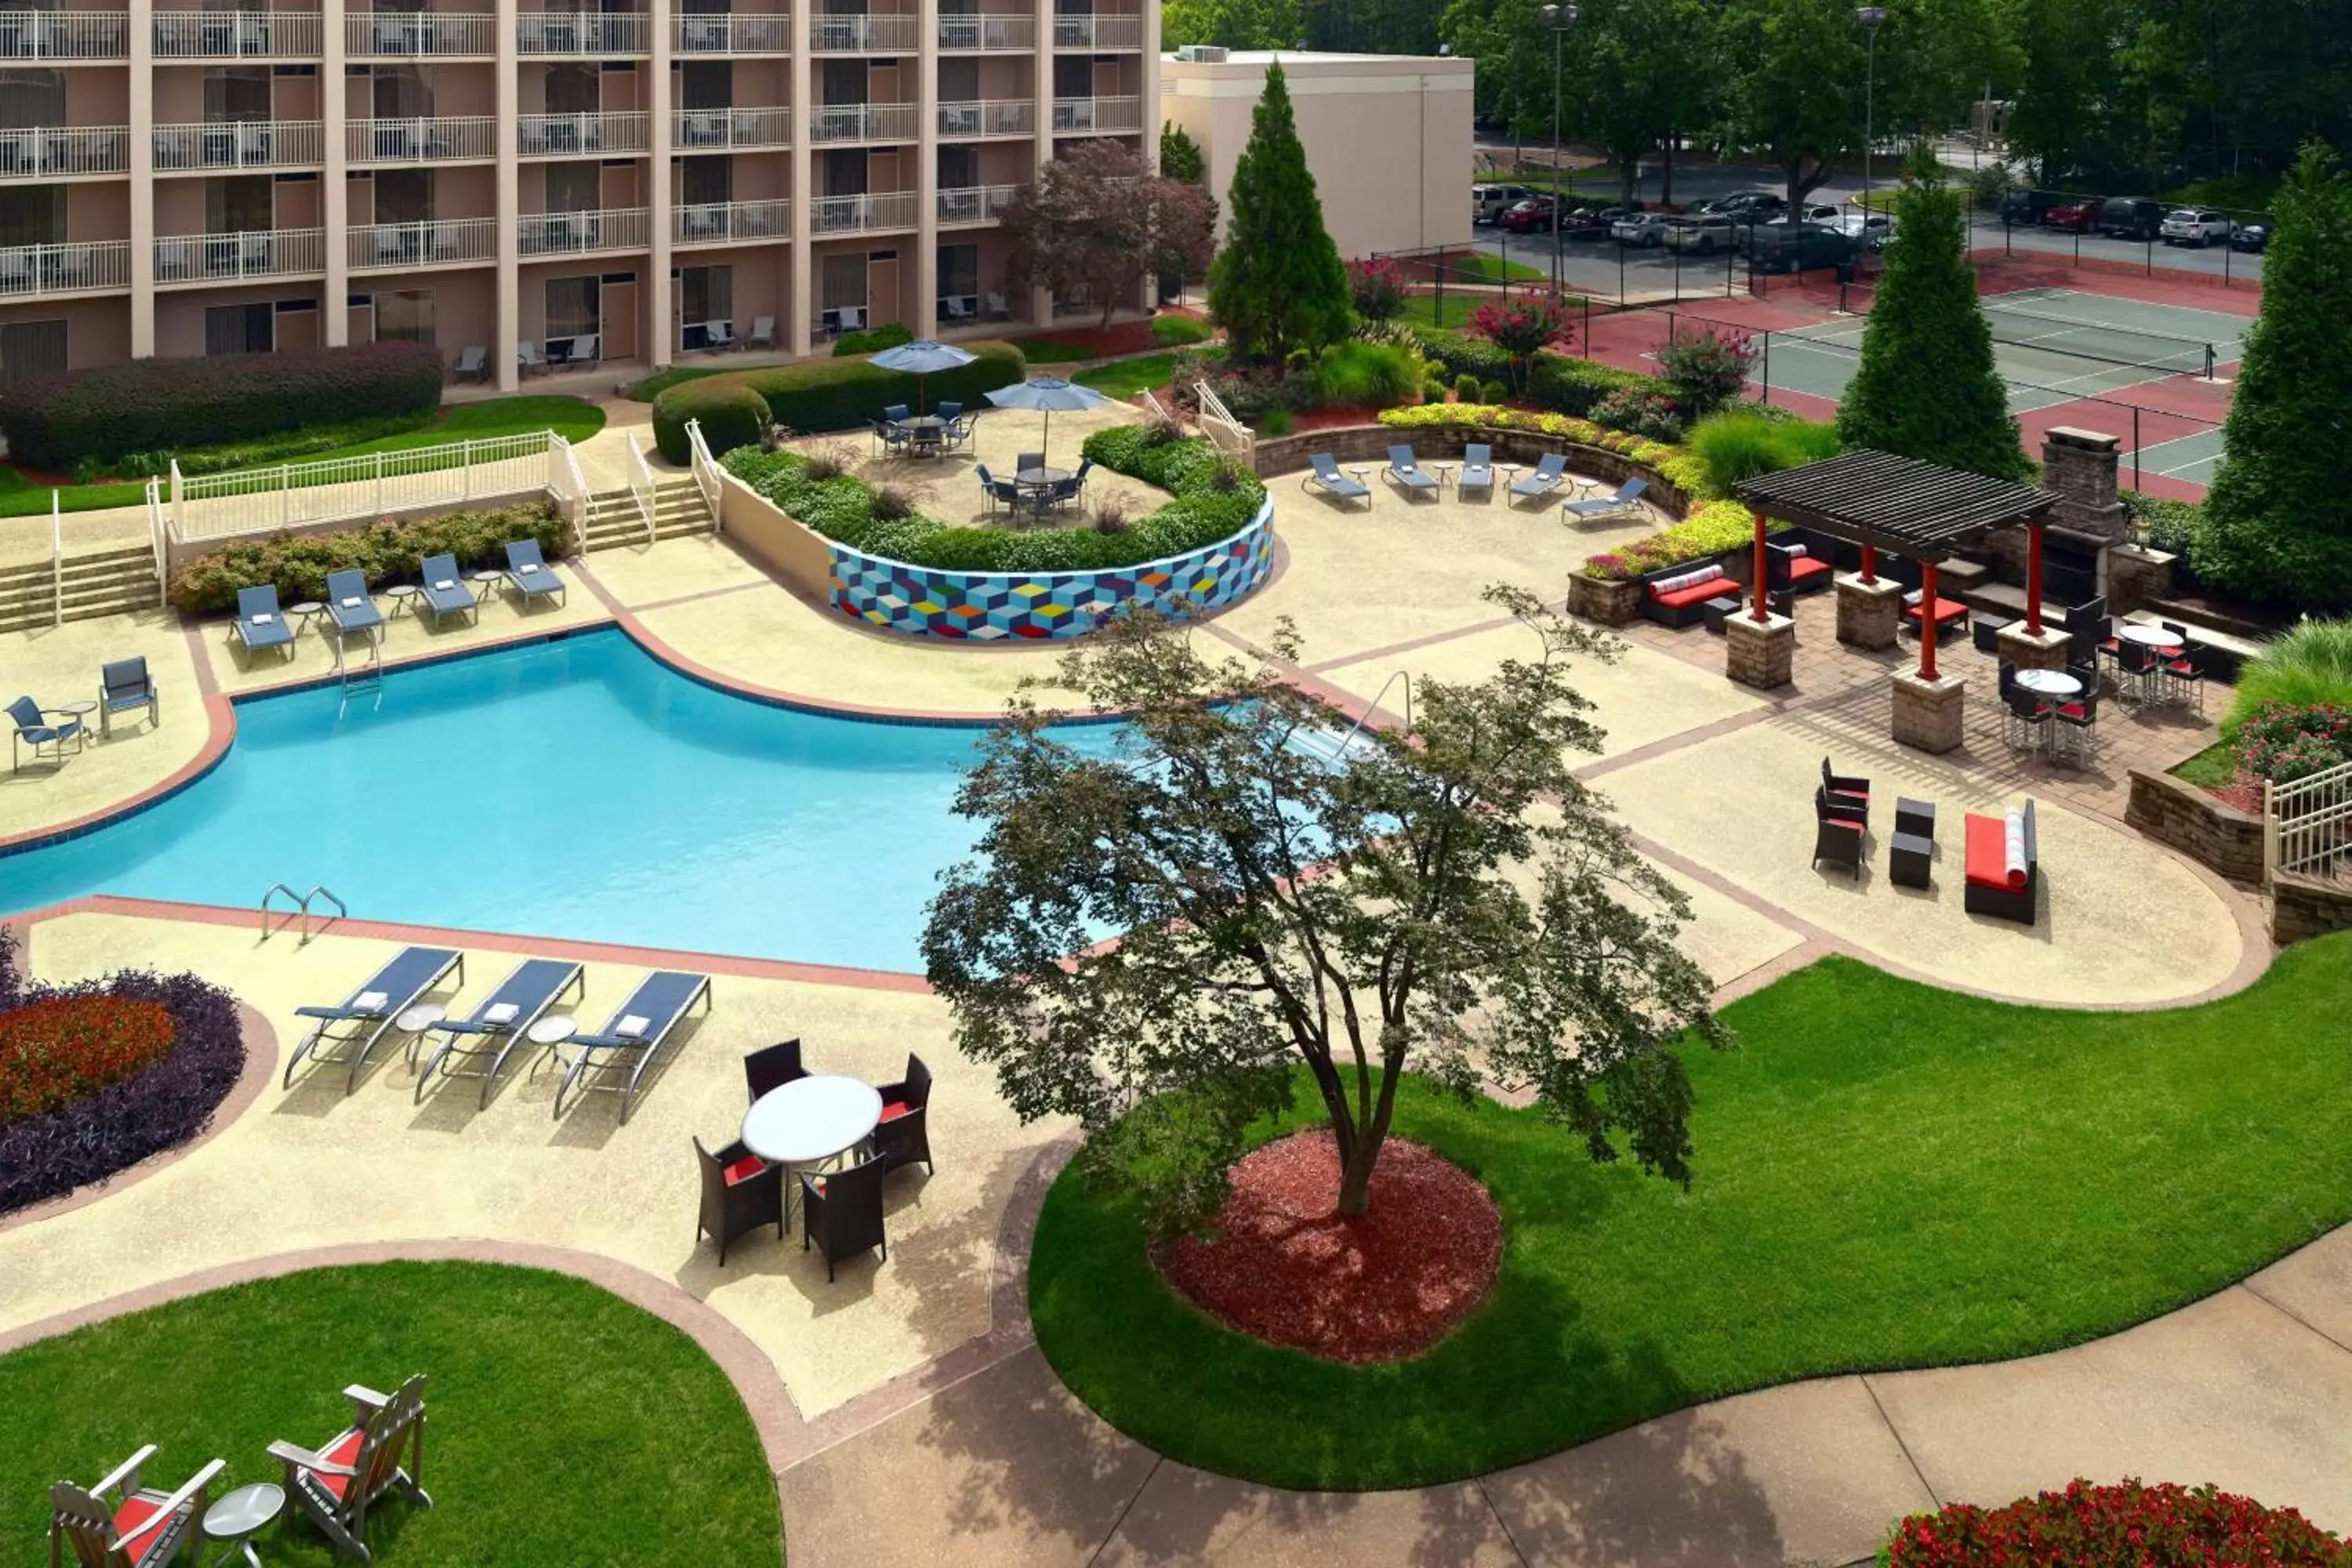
(1645, 229)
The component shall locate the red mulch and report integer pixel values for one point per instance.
(1120, 338)
(2244, 793)
(1288, 1270)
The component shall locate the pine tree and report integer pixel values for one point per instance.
(2278, 521)
(1927, 387)
(1278, 283)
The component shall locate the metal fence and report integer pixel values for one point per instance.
(2307, 824)
(292, 495)
(2118, 234)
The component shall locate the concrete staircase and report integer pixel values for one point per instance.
(679, 509)
(102, 582)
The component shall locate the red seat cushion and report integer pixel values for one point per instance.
(344, 1450)
(1696, 593)
(1946, 609)
(1805, 566)
(744, 1169)
(1840, 822)
(1988, 852)
(1861, 794)
(895, 1109)
(135, 1513)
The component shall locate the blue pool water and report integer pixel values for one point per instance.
(576, 788)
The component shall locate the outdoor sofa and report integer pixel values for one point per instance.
(1679, 596)
(2003, 866)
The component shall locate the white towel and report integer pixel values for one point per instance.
(351, 604)
(264, 618)
(499, 1012)
(2012, 848)
(372, 1000)
(631, 1026)
(445, 583)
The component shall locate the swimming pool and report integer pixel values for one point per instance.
(574, 788)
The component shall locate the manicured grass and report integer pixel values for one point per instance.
(1887, 1175)
(1487, 268)
(1423, 309)
(1129, 376)
(565, 1427)
(661, 381)
(2213, 768)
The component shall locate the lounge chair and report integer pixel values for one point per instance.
(1324, 474)
(1406, 473)
(638, 1026)
(337, 1483)
(1550, 468)
(146, 1529)
(903, 1135)
(443, 592)
(764, 332)
(34, 729)
(473, 363)
(504, 1018)
(260, 623)
(741, 1192)
(123, 687)
(528, 570)
(351, 606)
(1477, 468)
(772, 1067)
(1627, 498)
(840, 1211)
(2003, 866)
(348, 1032)
(1003, 490)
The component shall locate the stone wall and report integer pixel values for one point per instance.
(1370, 444)
(2192, 821)
(2305, 907)
(2080, 464)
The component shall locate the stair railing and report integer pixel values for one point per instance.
(641, 485)
(156, 537)
(705, 469)
(57, 562)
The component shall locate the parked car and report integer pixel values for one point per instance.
(2079, 215)
(2027, 209)
(1528, 217)
(1647, 230)
(2200, 227)
(1488, 202)
(1744, 235)
(1593, 222)
(1705, 233)
(2253, 236)
(1797, 247)
(1872, 230)
(1756, 207)
(2131, 217)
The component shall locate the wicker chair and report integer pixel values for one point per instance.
(903, 1135)
(772, 1067)
(146, 1529)
(1837, 836)
(741, 1192)
(337, 1483)
(841, 1212)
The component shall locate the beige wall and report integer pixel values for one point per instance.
(97, 331)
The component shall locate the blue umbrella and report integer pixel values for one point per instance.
(919, 359)
(1048, 393)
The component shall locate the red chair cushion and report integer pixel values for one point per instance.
(895, 1109)
(135, 1513)
(1988, 852)
(1805, 566)
(1846, 821)
(1861, 794)
(344, 1450)
(1696, 593)
(744, 1169)
(2071, 710)
(1946, 609)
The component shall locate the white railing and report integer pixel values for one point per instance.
(156, 539)
(408, 35)
(705, 469)
(641, 485)
(575, 234)
(65, 35)
(44, 152)
(580, 33)
(722, 128)
(569, 486)
(976, 204)
(1102, 30)
(256, 253)
(863, 122)
(241, 144)
(861, 214)
(2307, 824)
(988, 117)
(433, 242)
(291, 495)
(421, 140)
(742, 32)
(723, 223)
(1096, 114)
(863, 35)
(235, 34)
(984, 31)
(56, 561)
(569, 135)
(1226, 433)
(73, 267)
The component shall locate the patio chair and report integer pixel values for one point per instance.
(772, 1067)
(897, 414)
(528, 570)
(145, 1529)
(1070, 490)
(347, 1033)
(764, 332)
(1550, 469)
(587, 348)
(2025, 718)
(1323, 474)
(1477, 468)
(2078, 720)
(951, 433)
(998, 311)
(338, 1482)
(719, 337)
(2188, 673)
(741, 1192)
(260, 622)
(997, 489)
(1627, 498)
(124, 686)
(443, 592)
(34, 729)
(904, 1135)
(350, 604)
(841, 1212)
(1845, 786)
(529, 359)
(473, 363)
(1026, 461)
(1837, 837)
(500, 1023)
(1405, 472)
(894, 437)
(2136, 666)
(639, 1027)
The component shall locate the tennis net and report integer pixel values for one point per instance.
(2097, 341)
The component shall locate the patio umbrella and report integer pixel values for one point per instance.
(919, 359)
(1047, 392)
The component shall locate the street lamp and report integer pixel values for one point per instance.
(1559, 19)
(1871, 17)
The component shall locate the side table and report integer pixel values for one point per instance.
(1907, 859)
(486, 581)
(1916, 817)
(415, 1021)
(82, 708)
(403, 597)
(1717, 611)
(241, 1514)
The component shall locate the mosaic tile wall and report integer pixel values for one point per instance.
(987, 606)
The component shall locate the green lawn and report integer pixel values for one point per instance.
(2212, 768)
(1887, 1175)
(565, 1427)
(661, 381)
(1422, 310)
(1490, 269)
(1127, 377)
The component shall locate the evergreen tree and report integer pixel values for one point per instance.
(1179, 155)
(1278, 284)
(1927, 387)
(2278, 523)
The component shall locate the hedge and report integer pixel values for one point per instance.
(1707, 531)
(54, 422)
(815, 396)
(1572, 386)
(385, 552)
(732, 415)
(871, 340)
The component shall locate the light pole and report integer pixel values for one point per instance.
(1559, 19)
(1871, 17)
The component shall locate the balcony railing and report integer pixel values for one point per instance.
(1089, 115)
(580, 33)
(74, 268)
(256, 253)
(425, 140)
(580, 234)
(241, 144)
(51, 152)
(981, 30)
(1101, 30)
(865, 214)
(235, 34)
(745, 33)
(566, 135)
(410, 34)
(988, 117)
(885, 34)
(727, 222)
(975, 204)
(64, 35)
(433, 243)
(863, 122)
(722, 128)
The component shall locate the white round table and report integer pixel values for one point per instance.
(812, 1119)
(2150, 636)
(2049, 683)
(552, 1030)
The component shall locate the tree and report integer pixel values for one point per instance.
(1099, 220)
(1235, 23)
(1278, 284)
(1522, 328)
(1927, 387)
(2068, 59)
(1180, 156)
(1376, 288)
(1707, 371)
(1640, 66)
(1799, 94)
(2278, 521)
(1453, 900)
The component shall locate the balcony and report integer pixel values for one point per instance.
(718, 130)
(984, 31)
(1094, 116)
(428, 139)
(60, 151)
(237, 35)
(256, 253)
(863, 122)
(972, 204)
(436, 242)
(1102, 30)
(571, 135)
(988, 117)
(864, 215)
(884, 34)
(241, 144)
(729, 223)
(77, 267)
(64, 35)
(748, 33)
(580, 33)
(419, 35)
(583, 233)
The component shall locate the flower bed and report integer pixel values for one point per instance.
(2282, 742)
(61, 1049)
(297, 565)
(2124, 1526)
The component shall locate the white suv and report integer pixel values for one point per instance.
(2200, 227)
(1488, 202)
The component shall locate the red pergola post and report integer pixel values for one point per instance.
(1928, 622)
(2033, 579)
(1870, 564)
(1761, 611)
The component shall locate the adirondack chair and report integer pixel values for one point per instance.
(337, 1484)
(146, 1530)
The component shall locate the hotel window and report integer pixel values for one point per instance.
(843, 282)
(574, 307)
(240, 328)
(706, 294)
(28, 349)
(238, 204)
(235, 94)
(405, 314)
(705, 181)
(403, 196)
(33, 215)
(574, 187)
(573, 89)
(402, 92)
(32, 98)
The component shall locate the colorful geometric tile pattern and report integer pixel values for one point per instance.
(988, 606)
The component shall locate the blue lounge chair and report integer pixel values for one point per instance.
(259, 622)
(1405, 472)
(528, 570)
(1477, 468)
(638, 1026)
(443, 592)
(347, 1033)
(1549, 470)
(125, 687)
(1324, 474)
(33, 729)
(351, 606)
(503, 1020)
(1003, 490)
(1627, 498)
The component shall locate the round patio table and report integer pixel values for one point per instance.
(2161, 638)
(924, 433)
(1039, 483)
(2049, 683)
(812, 1119)
(306, 612)
(241, 1513)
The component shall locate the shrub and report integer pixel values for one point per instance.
(1705, 371)
(54, 422)
(1433, 389)
(59, 1050)
(1175, 332)
(1637, 412)
(2308, 667)
(297, 565)
(891, 503)
(1466, 388)
(2124, 1526)
(1521, 326)
(1376, 286)
(1737, 445)
(1256, 390)
(1275, 422)
(732, 415)
(1358, 374)
(1565, 384)
(1461, 353)
(840, 394)
(2283, 743)
(1493, 391)
(871, 340)
(1710, 529)
(2163, 523)
(1110, 516)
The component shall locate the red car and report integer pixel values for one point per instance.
(2074, 216)
(1523, 217)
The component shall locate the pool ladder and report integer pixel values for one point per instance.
(301, 910)
(1321, 743)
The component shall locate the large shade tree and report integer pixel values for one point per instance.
(1797, 93)
(1097, 221)
(1450, 901)
(1278, 284)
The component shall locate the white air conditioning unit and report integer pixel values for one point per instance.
(1203, 54)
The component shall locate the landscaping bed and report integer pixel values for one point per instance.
(2123, 1526)
(384, 553)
